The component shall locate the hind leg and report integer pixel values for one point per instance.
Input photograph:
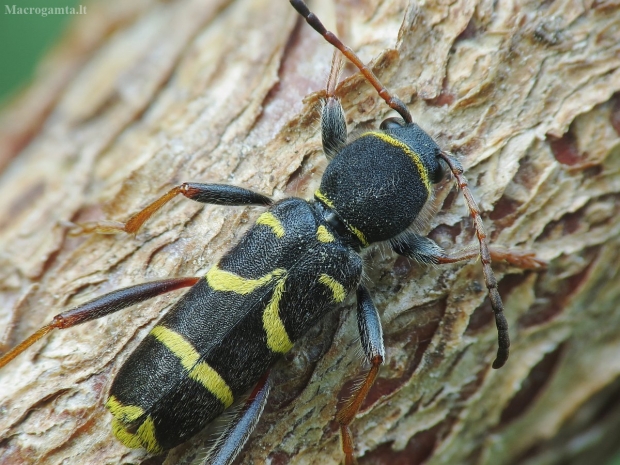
(238, 431)
(371, 337)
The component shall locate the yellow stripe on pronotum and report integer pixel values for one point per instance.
(410, 153)
(337, 289)
(319, 195)
(225, 281)
(277, 337)
(189, 358)
(359, 234)
(269, 219)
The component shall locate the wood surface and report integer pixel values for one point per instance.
(141, 95)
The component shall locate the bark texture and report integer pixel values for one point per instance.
(141, 95)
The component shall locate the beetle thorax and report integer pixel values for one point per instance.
(379, 183)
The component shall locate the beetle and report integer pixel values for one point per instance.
(300, 258)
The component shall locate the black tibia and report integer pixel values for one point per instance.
(217, 194)
(419, 248)
(333, 123)
(101, 306)
(234, 437)
(369, 325)
(223, 194)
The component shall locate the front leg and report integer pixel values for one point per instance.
(216, 194)
(371, 337)
(426, 251)
(419, 248)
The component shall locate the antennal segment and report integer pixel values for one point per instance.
(503, 337)
(394, 102)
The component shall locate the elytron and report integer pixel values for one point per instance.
(297, 261)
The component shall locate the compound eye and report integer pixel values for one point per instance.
(392, 123)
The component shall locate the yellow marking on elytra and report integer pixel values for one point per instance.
(146, 433)
(211, 379)
(337, 289)
(270, 220)
(277, 337)
(410, 153)
(319, 195)
(124, 415)
(125, 437)
(323, 235)
(189, 357)
(225, 281)
(178, 345)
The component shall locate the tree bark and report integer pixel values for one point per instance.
(139, 96)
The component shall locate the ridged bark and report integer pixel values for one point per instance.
(141, 95)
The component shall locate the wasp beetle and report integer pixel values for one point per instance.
(295, 263)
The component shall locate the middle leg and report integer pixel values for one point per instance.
(236, 434)
(425, 250)
(216, 194)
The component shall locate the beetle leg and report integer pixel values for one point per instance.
(425, 250)
(101, 306)
(371, 337)
(420, 248)
(230, 442)
(217, 194)
(333, 123)
(524, 259)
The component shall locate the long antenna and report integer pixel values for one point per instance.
(394, 102)
(503, 339)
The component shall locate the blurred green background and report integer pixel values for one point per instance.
(25, 38)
